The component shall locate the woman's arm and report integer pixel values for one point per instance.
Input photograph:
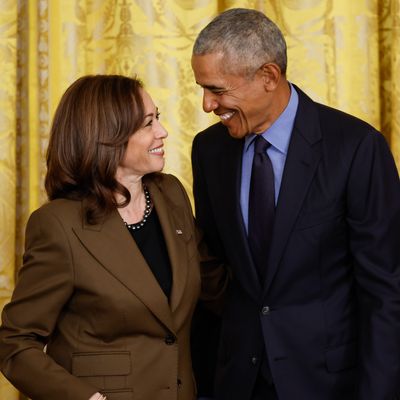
(45, 284)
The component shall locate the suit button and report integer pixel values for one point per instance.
(254, 360)
(170, 339)
(265, 310)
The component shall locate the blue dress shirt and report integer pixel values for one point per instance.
(278, 134)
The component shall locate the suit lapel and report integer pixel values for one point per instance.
(302, 160)
(176, 233)
(112, 246)
(232, 220)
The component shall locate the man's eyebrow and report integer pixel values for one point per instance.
(211, 87)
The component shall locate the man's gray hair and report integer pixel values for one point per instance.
(246, 38)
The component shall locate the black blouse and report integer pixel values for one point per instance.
(150, 240)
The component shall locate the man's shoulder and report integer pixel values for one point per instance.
(342, 130)
(213, 138)
(341, 118)
(215, 131)
(332, 119)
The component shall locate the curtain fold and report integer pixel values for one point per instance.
(8, 162)
(342, 53)
(8, 143)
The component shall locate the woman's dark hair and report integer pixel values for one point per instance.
(91, 127)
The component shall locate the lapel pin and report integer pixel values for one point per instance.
(178, 232)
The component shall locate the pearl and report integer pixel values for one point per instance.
(147, 211)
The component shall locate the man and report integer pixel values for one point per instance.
(313, 306)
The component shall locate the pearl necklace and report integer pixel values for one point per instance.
(147, 211)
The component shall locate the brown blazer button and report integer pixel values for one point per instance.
(170, 339)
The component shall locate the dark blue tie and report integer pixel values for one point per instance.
(261, 205)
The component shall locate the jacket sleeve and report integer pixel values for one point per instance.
(44, 285)
(374, 219)
(214, 276)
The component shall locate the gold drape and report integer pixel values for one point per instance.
(342, 53)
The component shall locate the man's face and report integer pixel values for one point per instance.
(239, 102)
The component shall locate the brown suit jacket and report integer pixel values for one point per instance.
(87, 293)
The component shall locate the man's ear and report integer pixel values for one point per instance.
(271, 74)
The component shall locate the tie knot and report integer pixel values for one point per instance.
(260, 145)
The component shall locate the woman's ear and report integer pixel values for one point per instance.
(271, 74)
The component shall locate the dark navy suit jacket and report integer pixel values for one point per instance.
(328, 312)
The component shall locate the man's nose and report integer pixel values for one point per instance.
(210, 102)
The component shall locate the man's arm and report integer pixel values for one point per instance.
(374, 219)
(206, 323)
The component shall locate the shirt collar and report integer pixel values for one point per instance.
(279, 133)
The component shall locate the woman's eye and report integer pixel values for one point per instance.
(150, 122)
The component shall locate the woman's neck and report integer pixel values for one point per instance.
(134, 210)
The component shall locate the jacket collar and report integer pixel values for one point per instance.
(303, 157)
(111, 244)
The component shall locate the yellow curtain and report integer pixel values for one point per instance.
(342, 53)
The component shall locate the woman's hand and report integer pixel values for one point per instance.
(98, 396)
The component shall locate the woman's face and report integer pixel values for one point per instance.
(145, 153)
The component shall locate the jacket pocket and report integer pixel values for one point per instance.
(106, 370)
(341, 357)
(118, 394)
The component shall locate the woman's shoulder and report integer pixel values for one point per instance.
(164, 181)
(65, 209)
(169, 185)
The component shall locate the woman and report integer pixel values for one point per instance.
(110, 275)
